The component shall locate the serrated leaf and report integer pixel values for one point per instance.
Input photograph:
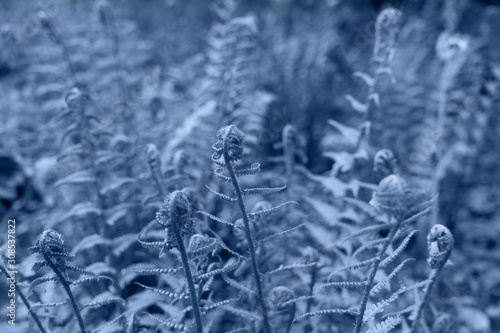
(357, 105)
(365, 78)
(79, 177)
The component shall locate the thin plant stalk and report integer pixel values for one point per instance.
(189, 277)
(26, 303)
(250, 241)
(440, 243)
(66, 287)
(371, 278)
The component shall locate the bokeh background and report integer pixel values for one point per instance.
(172, 72)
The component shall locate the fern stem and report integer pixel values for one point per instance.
(26, 303)
(189, 277)
(371, 278)
(250, 241)
(433, 278)
(66, 287)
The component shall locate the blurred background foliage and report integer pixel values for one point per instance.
(153, 69)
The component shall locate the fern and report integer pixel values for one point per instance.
(51, 247)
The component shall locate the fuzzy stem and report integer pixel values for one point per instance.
(66, 287)
(26, 302)
(189, 276)
(371, 278)
(433, 278)
(308, 326)
(250, 241)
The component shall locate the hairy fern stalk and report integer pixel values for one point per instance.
(227, 151)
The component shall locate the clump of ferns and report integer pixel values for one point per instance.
(89, 153)
(196, 266)
(440, 244)
(355, 142)
(50, 247)
(228, 150)
(390, 202)
(95, 187)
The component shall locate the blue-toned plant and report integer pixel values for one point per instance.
(50, 247)
(440, 244)
(228, 150)
(175, 217)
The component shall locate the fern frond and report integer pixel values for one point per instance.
(359, 265)
(47, 305)
(252, 170)
(292, 266)
(226, 269)
(367, 79)
(356, 105)
(398, 250)
(169, 324)
(81, 210)
(236, 285)
(262, 190)
(271, 210)
(344, 285)
(37, 265)
(77, 149)
(216, 219)
(102, 300)
(217, 305)
(204, 250)
(165, 293)
(374, 229)
(386, 326)
(79, 177)
(123, 243)
(373, 309)
(242, 313)
(105, 156)
(119, 211)
(75, 269)
(39, 281)
(156, 245)
(220, 195)
(238, 330)
(282, 233)
(89, 242)
(324, 312)
(225, 247)
(157, 271)
(367, 246)
(219, 172)
(117, 185)
(378, 287)
(91, 279)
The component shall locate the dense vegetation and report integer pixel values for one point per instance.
(252, 166)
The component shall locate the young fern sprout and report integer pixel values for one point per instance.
(227, 151)
(389, 199)
(282, 306)
(51, 246)
(175, 216)
(440, 244)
